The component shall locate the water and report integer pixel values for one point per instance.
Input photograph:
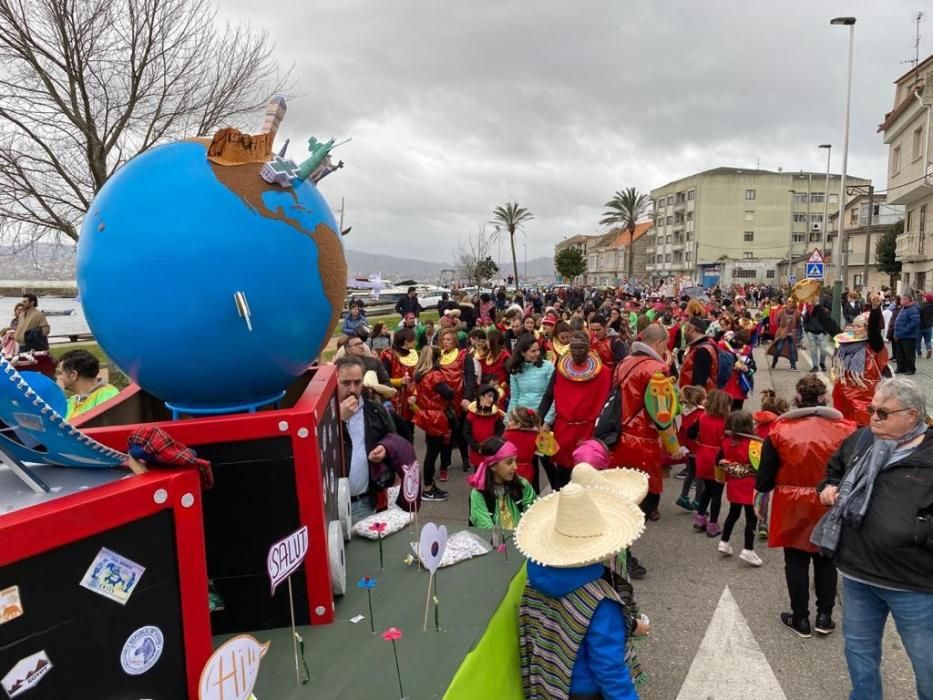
(61, 325)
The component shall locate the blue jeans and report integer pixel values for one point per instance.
(819, 353)
(926, 336)
(865, 610)
(779, 348)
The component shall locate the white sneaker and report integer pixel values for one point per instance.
(749, 557)
(725, 548)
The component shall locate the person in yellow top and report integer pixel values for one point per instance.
(77, 371)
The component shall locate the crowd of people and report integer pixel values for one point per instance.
(569, 407)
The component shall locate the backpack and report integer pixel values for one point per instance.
(725, 361)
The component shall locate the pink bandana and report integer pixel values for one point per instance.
(592, 452)
(478, 480)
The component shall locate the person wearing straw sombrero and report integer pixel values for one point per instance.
(572, 628)
(860, 363)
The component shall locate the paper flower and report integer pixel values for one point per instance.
(391, 634)
(501, 548)
(366, 582)
(408, 560)
(378, 528)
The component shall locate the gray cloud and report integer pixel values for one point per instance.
(457, 107)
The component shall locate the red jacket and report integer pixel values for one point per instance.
(711, 433)
(706, 345)
(480, 427)
(687, 422)
(524, 440)
(804, 440)
(764, 421)
(397, 370)
(741, 491)
(431, 416)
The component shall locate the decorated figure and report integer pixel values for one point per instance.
(860, 362)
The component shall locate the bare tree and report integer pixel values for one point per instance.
(474, 262)
(85, 85)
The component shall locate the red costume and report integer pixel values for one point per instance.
(638, 445)
(764, 421)
(687, 422)
(858, 367)
(707, 345)
(479, 427)
(711, 433)
(399, 367)
(804, 440)
(739, 490)
(524, 440)
(606, 349)
(495, 370)
(431, 415)
(578, 393)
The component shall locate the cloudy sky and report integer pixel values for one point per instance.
(456, 107)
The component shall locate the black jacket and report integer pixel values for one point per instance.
(377, 424)
(893, 547)
(819, 321)
(850, 310)
(926, 315)
(407, 305)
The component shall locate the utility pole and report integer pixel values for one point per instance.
(790, 237)
(843, 263)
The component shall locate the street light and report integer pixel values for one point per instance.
(840, 263)
(790, 238)
(829, 150)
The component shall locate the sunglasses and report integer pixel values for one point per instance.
(883, 414)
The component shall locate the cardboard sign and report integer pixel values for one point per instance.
(286, 555)
(431, 545)
(112, 576)
(231, 671)
(10, 605)
(26, 674)
(411, 482)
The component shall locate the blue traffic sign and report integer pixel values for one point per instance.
(815, 270)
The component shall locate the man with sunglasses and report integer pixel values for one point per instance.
(879, 530)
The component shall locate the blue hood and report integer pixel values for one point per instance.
(559, 582)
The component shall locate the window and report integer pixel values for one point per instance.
(917, 143)
(909, 225)
(670, 200)
(816, 218)
(668, 239)
(659, 258)
(678, 257)
(896, 160)
(833, 200)
(749, 216)
(801, 197)
(857, 280)
(743, 274)
(769, 274)
(818, 197)
(670, 220)
(853, 217)
(816, 236)
(689, 235)
(749, 195)
(688, 256)
(800, 238)
(667, 257)
(748, 255)
(800, 217)
(689, 216)
(691, 195)
(749, 236)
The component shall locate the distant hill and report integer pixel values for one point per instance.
(57, 262)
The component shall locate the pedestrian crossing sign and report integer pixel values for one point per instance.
(815, 270)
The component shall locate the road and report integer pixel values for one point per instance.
(715, 628)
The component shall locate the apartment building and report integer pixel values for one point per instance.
(729, 225)
(607, 256)
(906, 130)
(862, 238)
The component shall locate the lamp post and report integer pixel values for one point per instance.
(790, 238)
(840, 261)
(829, 150)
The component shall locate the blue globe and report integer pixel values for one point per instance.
(168, 245)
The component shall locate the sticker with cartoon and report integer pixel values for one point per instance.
(112, 576)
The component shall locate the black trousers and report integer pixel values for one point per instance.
(711, 499)
(906, 350)
(751, 522)
(688, 480)
(459, 439)
(797, 572)
(650, 503)
(437, 445)
(561, 477)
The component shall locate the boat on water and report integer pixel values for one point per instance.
(380, 296)
(60, 312)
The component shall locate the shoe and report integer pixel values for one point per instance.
(654, 516)
(762, 533)
(442, 475)
(713, 529)
(813, 369)
(434, 494)
(466, 466)
(699, 522)
(799, 626)
(794, 369)
(725, 548)
(685, 503)
(696, 505)
(929, 354)
(635, 570)
(749, 557)
(824, 623)
(682, 474)
(822, 368)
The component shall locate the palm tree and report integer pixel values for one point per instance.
(624, 210)
(512, 217)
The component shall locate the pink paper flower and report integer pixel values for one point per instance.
(378, 527)
(501, 548)
(391, 634)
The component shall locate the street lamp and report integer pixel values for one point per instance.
(790, 238)
(829, 150)
(840, 261)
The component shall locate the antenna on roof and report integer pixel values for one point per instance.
(915, 61)
(758, 164)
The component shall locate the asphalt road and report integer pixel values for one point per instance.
(715, 627)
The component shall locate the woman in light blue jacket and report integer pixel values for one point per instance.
(529, 375)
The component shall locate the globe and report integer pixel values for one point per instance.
(211, 288)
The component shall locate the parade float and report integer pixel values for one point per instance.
(212, 272)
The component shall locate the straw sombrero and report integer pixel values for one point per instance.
(630, 483)
(371, 381)
(578, 526)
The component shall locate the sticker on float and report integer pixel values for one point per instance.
(112, 576)
(26, 674)
(10, 605)
(142, 650)
(230, 673)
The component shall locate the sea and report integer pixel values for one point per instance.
(61, 325)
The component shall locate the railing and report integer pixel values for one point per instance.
(910, 246)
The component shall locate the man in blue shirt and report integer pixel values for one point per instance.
(906, 332)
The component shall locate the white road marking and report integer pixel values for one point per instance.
(729, 664)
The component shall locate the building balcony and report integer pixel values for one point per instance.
(677, 245)
(649, 250)
(650, 267)
(681, 205)
(910, 247)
